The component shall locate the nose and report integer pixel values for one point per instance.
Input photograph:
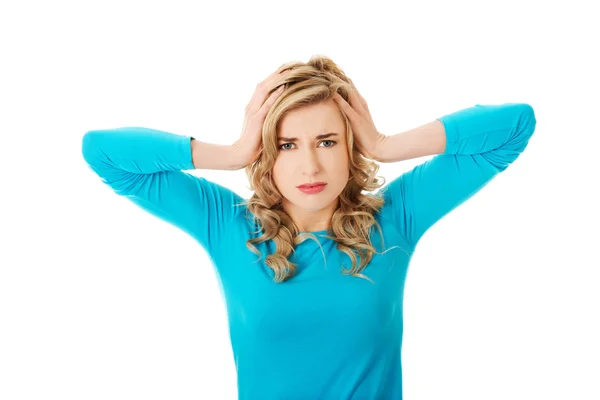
(310, 163)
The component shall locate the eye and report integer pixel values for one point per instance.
(333, 143)
(285, 144)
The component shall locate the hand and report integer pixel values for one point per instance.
(367, 138)
(249, 145)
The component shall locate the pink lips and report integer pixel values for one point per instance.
(312, 184)
(316, 188)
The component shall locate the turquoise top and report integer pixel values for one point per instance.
(320, 335)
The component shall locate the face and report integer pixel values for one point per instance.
(303, 157)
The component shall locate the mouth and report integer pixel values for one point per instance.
(311, 185)
(312, 188)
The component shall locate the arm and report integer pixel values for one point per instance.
(475, 144)
(216, 156)
(425, 140)
(146, 166)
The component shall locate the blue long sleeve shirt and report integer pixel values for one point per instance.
(320, 335)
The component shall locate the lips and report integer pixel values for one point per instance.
(309, 185)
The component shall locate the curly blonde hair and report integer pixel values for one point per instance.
(310, 83)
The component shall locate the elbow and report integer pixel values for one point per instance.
(522, 131)
(527, 120)
(90, 143)
(88, 146)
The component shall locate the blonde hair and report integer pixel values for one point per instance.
(310, 83)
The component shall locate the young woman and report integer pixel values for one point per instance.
(318, 318)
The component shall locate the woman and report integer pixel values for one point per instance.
(318, 318)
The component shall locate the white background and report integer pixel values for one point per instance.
(101, 300)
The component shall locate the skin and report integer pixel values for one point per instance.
(309, 160)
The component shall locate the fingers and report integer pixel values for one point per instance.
(271, 80)
(346, 108)
(261, 94)
(356, 98)
(269, 102)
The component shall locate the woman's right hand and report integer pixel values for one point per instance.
(249, 144)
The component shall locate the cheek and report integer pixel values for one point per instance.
(340, 161)
(278, 170)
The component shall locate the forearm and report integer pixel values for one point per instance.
(215, 156)
(425, 140)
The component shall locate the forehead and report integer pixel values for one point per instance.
(312, 120)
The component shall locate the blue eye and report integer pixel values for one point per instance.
(333, 143)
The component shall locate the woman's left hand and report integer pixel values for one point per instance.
(366, 136)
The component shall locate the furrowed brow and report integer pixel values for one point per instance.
(324, 136)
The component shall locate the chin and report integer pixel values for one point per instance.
(314, 202)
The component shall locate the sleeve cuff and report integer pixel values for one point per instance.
(185, 149)
(451, 135)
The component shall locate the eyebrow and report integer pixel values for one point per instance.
(324, 136)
